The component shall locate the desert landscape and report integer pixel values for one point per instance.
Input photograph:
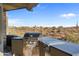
(64, 33)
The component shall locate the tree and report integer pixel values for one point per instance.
(60, 28)
(53, 28)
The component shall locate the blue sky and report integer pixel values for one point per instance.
(46, 14)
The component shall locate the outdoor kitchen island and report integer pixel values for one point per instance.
(57, 47)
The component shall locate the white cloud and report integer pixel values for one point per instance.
(68, 15)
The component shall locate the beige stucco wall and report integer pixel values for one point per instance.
(1, 41)
(2, 29)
